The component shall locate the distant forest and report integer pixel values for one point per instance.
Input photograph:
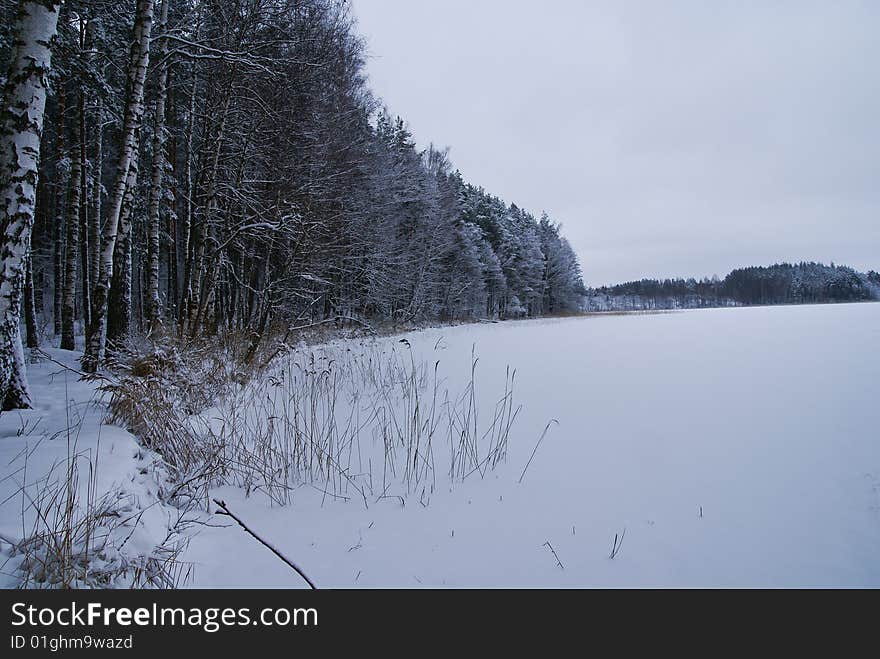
(783, 283)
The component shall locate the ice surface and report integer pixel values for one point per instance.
(736, 447)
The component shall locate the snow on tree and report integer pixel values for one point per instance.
(21, 130)
(139, 59)
(249, 179)
(783, 283)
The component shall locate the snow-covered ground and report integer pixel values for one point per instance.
(116, 481)
(734, 448)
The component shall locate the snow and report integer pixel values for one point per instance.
(35, 447)
(734, 447)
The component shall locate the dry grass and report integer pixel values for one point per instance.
(368, 424)
(361, 424)
(157, 395)
(78, 537)
(364, 423)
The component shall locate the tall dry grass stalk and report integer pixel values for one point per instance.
(361, 424)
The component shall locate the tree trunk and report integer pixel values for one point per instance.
(173, 256)
(97, 170)
(21, 130)
(39, 235)
(157, 174)
(30, 308)
(84, 192)
(60, 209)
(204, 278)
(188, 254)
(71, 252)
(95, 205)
(119, 310)
(137, 73)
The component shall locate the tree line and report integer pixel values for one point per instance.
(194, 167)
(783, 283)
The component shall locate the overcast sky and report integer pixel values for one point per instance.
(670, 138)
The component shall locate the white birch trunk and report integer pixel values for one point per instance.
(157, 174)
(183, 312)
(95, 204)
(21, 130)
(86, 289)
(134, 108)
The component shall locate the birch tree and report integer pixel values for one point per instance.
(157, 174)
(137, 72)
(21, 129)
(96, 119)
(274, 190)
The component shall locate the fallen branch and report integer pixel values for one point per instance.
(226, 512)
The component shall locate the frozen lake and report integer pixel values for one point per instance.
(736, 447)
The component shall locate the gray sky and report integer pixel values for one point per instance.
(670, 138)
